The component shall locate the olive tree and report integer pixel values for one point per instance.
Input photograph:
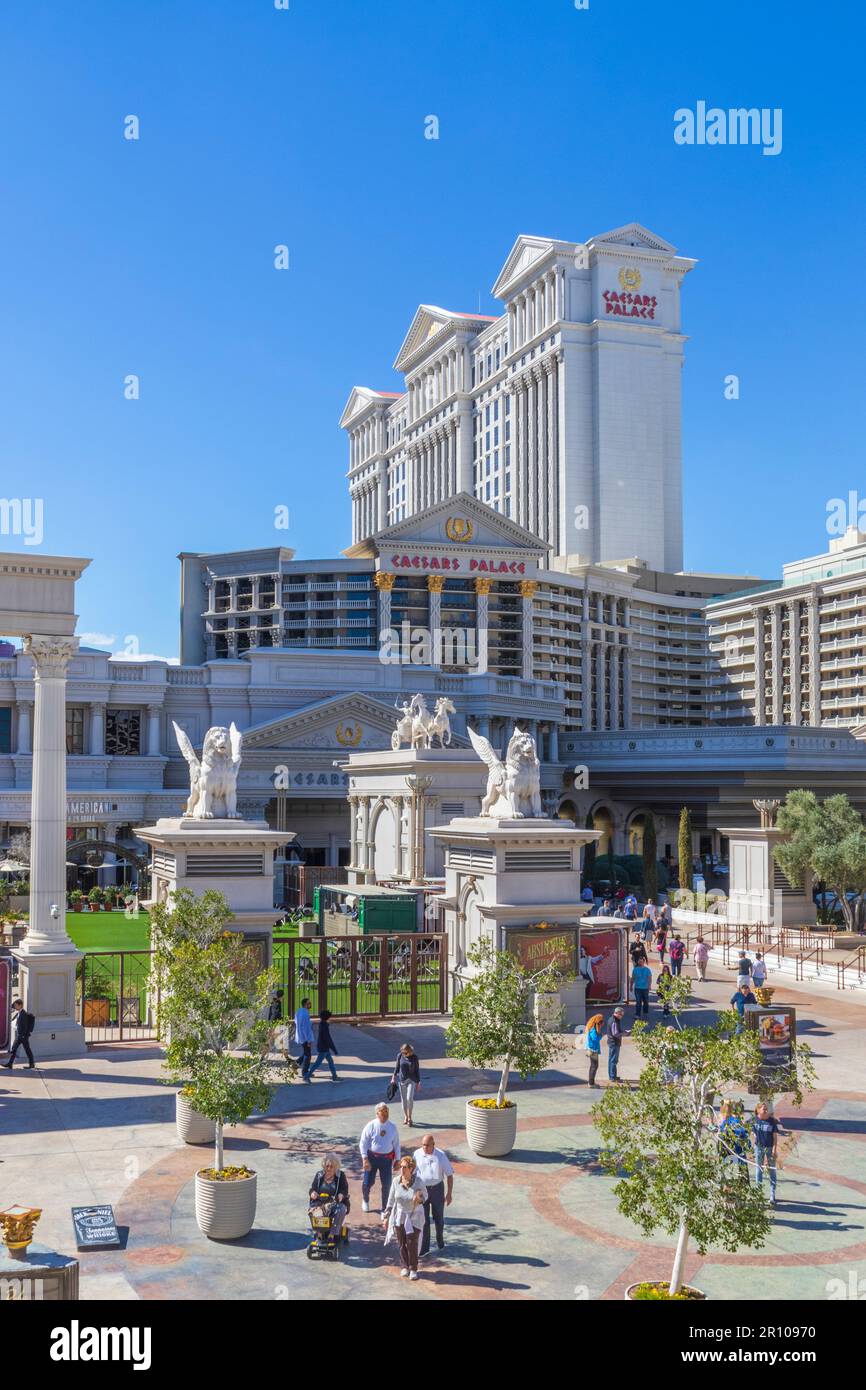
(491, 1022)
(662, 1143)
(827, 840)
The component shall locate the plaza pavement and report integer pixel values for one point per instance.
(539, 1224)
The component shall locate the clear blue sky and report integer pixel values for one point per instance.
(305, 127)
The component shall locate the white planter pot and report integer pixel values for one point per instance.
(630, 1298)
(192, 1128)
(225, 1210)
(491, 1133)
(547, 1010)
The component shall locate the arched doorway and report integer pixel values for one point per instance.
(602, 819)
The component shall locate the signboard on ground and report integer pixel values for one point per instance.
(537, 947)
(777, 1036)
(602, 964)
(95, 1228)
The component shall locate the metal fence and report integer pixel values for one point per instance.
(113, 997)
(372, 976)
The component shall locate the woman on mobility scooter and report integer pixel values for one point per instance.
(329, 1207)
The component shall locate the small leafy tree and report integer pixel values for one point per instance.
(650, 858)
(827, 840)
(661, 1139)
(684, 848)
(491, 1024)
(213, 1008)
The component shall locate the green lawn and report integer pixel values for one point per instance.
(109, 931)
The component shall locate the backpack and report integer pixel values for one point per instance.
(30, 1022)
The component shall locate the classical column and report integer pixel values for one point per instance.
(435, 585)
(365, 866)
(97, 730)
(794, 677)
(384, 583)
(614, 686)
(398, 841)
(760, 674)
(814, 664)
(554, 743)
(776, 661)
(353, 830)
(600, 673)
(153, 731)
(527, 590)
(626, 687)
(47, 933)
(24, 709)
(482, 618)
(586, 684)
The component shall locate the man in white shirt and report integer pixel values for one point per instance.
(380, 1150)
(437, 1175)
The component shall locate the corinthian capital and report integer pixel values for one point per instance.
(51, 655)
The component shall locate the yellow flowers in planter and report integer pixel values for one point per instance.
(225, 1174)
(654, 1293)
(489, 1103)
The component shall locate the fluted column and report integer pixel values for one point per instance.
(527, 591)
(482, 618)
(24, 725)
(435, 585)
(46, 933)
(384, 583)
(153, 731)
(97, 730)
(814, 666)
(776, 661)
(760, 674)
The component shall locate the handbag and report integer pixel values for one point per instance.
(392, 1090)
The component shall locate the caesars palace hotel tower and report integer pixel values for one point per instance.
(563, 412)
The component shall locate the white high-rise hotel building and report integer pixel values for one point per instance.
(563, 413)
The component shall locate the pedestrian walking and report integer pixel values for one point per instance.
(641, 979)
(637, 950)
(404, 1214)
(677, 951)
(739, 1001)
(648, 925)
(592, 1045)
(304, 1037)
(759, 971)
(437, 1174)
(615, 1035)
(765, 1132)
(661, 942)
(664, 980)
(700, 956)
(380, 1149)
(407, 1075)
(24, 1025)
(324, 1046)
(274, 1017)
(734, 1139)
(744, 969)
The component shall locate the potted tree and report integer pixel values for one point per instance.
(75, 899)
(662, 1143)
(213, 1011)
(94, 898)
(492, 1024)
(96, 1011)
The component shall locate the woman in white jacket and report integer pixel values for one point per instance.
(404, 1214)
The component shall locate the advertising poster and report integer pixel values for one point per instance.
(601, 962)
(777, 1033)
(5, 1002)
(537, 947)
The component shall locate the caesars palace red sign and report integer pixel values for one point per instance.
(628, 305)
(452, 563)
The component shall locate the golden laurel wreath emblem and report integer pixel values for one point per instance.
(349, 735)
(459, 528)
(629, 279)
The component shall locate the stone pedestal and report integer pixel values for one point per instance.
(384, 814)
(759, 891)
(515, 883)
(37, 1274)
(234, 857)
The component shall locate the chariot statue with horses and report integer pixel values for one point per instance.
(418, 727)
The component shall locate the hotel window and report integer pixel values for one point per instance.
(6, 729)
(123, 733)
(74, 729)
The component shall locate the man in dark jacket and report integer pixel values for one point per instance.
(325, 1046)
(615, 1035)
(24, 1025)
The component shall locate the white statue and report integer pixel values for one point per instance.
(439, 725)
(418, 727)
(513, 787)
(213, 782)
